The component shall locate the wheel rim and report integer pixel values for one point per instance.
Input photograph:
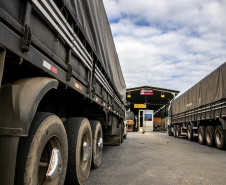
(55, 165)
(52, 143)
(218, 138)
(85, 151)
(99, 145)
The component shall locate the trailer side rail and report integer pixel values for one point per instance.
(210, 111)
(41, 57)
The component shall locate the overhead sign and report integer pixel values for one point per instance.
(139, 106)
(146, 91)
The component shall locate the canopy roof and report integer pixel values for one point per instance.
(153, 102)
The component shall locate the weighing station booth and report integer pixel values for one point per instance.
(144, 102)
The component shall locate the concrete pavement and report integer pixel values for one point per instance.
(156, 158)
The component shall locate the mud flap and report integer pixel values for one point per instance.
(113, 140)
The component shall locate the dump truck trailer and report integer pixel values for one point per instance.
(201, 111)
(62, 92)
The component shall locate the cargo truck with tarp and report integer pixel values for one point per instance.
(62, 91)
(201, 111)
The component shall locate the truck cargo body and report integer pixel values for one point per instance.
(59, 77)
(201, 111)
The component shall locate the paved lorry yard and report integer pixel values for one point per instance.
(156, 158)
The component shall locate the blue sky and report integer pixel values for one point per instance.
(168, 44)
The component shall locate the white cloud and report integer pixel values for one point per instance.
(168, 44)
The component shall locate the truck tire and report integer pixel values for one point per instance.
(190, 133)
(79, 150)
(209, 135)
(125, 131)
(178, 131)
(34, 153)
(174, 130)
(97, 134)
(201, 135)
(169, 131)
(122, 132)
(220, 137)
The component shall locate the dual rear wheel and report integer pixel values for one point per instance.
(201, 134)
(178, 131)
(79, 136)
(212, 136)
(220, 137)
(43, 156)
(84, 148)
(97, 143)
(209, 135)
(189, 132)
(169, 131)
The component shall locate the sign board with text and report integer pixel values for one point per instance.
(140, 106)
(146, 91)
